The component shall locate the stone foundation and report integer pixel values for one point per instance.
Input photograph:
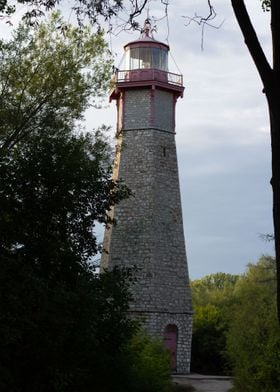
(155, 323)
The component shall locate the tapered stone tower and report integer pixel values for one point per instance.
(149, 230)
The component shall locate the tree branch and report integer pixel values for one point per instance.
(252, 42)
(137, 10)
(275, 32)
(21, 129)
(204, 21)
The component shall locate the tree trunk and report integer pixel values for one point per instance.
(270, 77)
(274, 106)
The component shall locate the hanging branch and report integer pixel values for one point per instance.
(138, 8)
(126, 20)
(204, 21)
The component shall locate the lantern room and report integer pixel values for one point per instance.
(144, 54)
(145, 63)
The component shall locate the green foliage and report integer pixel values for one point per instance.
(55, 70)
(54, 187)
(266, 5)
(149, 369)
(63, 328)
(61, 325)
(208, 341)
(212, 298)
(54, 338)
(94, 11)
(235, 327)
(254, 336)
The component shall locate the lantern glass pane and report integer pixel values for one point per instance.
(145, 57)
(134, 58)
(156, 58)
(164, 61)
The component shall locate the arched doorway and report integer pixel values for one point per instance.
(170, 342)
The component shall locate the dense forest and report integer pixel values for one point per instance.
(235, 328)
(63, 327)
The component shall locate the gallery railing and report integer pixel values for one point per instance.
(141, 75)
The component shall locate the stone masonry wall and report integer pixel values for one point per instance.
(137, 109)
(155, 323)
(145, 108)
(149, 231)
(164, 110)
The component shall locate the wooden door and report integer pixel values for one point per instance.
(170, 342)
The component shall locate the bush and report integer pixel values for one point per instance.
(182, 388)
(253, 340)
(53, 338)
(208, 343)
(213, 297)
(149, 369)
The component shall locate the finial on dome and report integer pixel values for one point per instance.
(147, 30)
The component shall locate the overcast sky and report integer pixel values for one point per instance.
(222, 137)
(223, 140)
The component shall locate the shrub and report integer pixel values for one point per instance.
(149, 365)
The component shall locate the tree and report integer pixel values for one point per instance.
(55, 70)
(253, 338)
(62, 326)
(94, 11)
(270, 76)
(54, 187)
(149, 365)
(60, 338)
(213, 297)
(235, 327)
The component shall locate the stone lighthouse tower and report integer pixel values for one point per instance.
(149, 230)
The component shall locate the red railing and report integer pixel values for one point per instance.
(140, 75)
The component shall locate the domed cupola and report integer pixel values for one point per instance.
(145, 63)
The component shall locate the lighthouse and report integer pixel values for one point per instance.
(149, 229)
